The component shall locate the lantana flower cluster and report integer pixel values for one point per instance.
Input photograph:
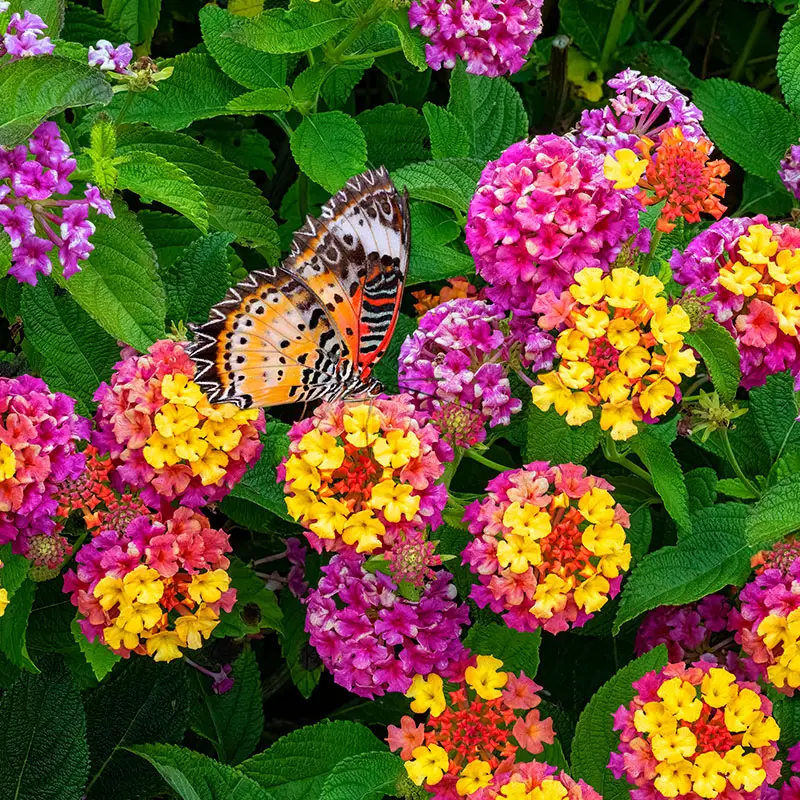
(455, 289)
(372, 639)
(789, 171)
(39, 435)
(696, 731)
(492, 37)
(24, 36)
(154, 589)
(620, 349)
(549, 546)
(110, 58)
(166, 439)
(750, 271)
(359, 474)
(455, 361)
(32, 177)
(543, 211)
(477, 726)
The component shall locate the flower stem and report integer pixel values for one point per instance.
(734, 462)
(125, 108)
(487, 462)
(655, 239)
(614, 30)
(684, 18)
(612, 454)
(377, 54)
(755, 32)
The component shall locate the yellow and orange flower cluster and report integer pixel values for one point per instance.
(358, 472)
(697, 731)
(620, 349)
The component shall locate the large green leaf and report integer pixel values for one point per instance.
(449, 182)
(119, 285)
(304, 665)
(36, 88)
(367, 776)
(395, 135)
(97, 655)
(14, 627)
(718, 349)
(431, 229)
(412, 41)
(517, 650)
(86, 26)
(44, 754)
(586, 23)
(448, 136)
(51, 12)
(775, 407)
(256, 607)
(137, 19)
(789, 62)
(776, 514)
(551, 439)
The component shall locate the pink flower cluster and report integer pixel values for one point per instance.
(543, 211)
(35, 221)
(111, 59)
(455, 360)
(39, 432)
(493, 37)
(789, 171)
(372, 639)
(24, 37)
(132, 410)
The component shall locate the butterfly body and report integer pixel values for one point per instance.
(313, 328)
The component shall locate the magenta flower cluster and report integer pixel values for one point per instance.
(455, 361)
(789, 171)
(39, 433)
(36, 221)
(492, 37)
(373, 640)
(111, 59)
(24, 36)
(543, 211)
(644, 106)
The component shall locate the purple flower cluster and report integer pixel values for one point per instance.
(110, 58)
(789, 171)
(455, 359)
(30, 178)
(493, 37)
(644, 106)
(24, 36)
(543, 211)
(372, 639)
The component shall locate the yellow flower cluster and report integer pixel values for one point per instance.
(621, 350)
(782, 633)
(625, 168)
(191, 430)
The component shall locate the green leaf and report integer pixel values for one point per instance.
(788, 65)
(412, 41)
(103, 146)
(98, 656)
(51, 12)
(78, 354)
(720, 354)
(330, 148)
(776, 514)
(764, 197)
(169, 234)
(44, 754)
(194, 776)
(747, 125)
(517, 650)
(775, 407)
(786, 711)
(734, 487)
(197, 89)
(662, 59)
(137, 19)
(297, 765)
(490, 110)
(119, 285)
(142, 702)
(252, 68)
(551, 439)
(714, 555)
(448, 136)
(701, 484)
(14, 628)
(14, 571)
(261, 100)
(595, 738)
(367, 776)
(386, 369)
(256, 608)
(155, 178)
(586, 24)
(305, 666)
(36, 88)
(449, 182)
(233, 721)
(301, 28)
(341, 81)
(234, 202)
(395, 135)
(431, 228)
(668, 476)
(198, 279)
(86, 26)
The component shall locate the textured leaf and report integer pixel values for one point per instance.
(775, 514)
(367, 776)
(35, 88)
(51, 12)
(720, 354)
(431, 228)
(386, 369)
(86, 26)
(234, 202)
(594, 735)
(119, 285)
(491, 111)
(517, 650)
(775, 408)
(733, 487)
(551, 439)
(252, 68)
(714, 555)
(155, 178)
(747, 125)
(788, 66)
(448, 136)
(449, 182)
(701, 484)
(198, 279)
(304, 664)
(341, 81)
(260, 100)
(194, 776)
(662, 59)
(256, 607)
(98, 656)
(14, 628)
(764, 197)
(586, 23)
(330, 148)
(44, 754)
(412, 41)
(395, 135)
(297, 765)
(169, 234)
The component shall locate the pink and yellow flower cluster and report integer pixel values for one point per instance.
(165, 437)
(620, 349)
(696, 731)
(359, 474)
(549, 546)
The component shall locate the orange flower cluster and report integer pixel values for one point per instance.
(458, 288)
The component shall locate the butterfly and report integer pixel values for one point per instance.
(314, 327)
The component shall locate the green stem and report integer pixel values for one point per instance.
(734, 462)
(452, 467)
(755, 32)
(661, 27)
(279, 120)
(377, 54)
(647, 14)
(612, 454)
(302, 195)
(487, 462)
(655, 239)
(684, 18)
(614, 30)
(125, 108)
(378, 7)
